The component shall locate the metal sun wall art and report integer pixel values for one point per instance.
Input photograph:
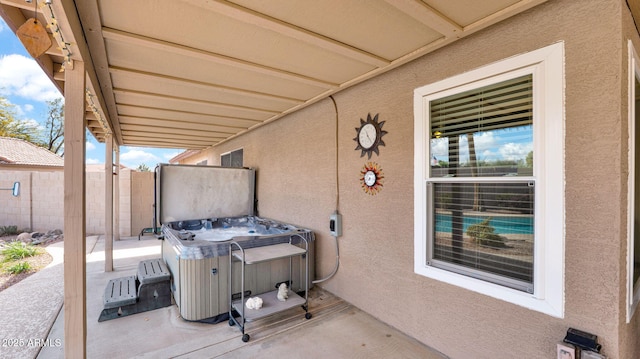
(371, 178)
(369, 136)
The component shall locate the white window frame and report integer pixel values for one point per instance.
(547, 66)
(633, 297)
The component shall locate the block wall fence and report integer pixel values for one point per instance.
(40, 205)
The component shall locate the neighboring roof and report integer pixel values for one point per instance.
(15, 151)
(179, 157)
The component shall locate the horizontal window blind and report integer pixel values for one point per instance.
(502, 105)
(484, 230)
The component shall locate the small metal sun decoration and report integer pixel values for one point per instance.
(369, 136)
(371, 178)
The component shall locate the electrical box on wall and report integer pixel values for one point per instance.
(335, 224)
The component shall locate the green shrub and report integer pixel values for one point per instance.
(8, 230)
(18, 250)
(19, 268)
(482, 233)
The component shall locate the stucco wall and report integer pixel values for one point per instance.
(40, 206)
(295, 162)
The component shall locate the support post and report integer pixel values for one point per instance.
(108, 204)
(116, 195)
(75, 307)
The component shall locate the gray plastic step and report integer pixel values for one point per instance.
(120, 291)
(153, 271)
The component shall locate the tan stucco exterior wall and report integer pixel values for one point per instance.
(40, 206)
(295, 162)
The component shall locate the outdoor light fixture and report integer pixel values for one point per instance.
(15, 190)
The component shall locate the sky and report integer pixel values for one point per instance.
(25, 85)
(504, 144)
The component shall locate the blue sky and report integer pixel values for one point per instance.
(503, 144)
(23, 84)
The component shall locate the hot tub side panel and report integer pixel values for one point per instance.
(201, 286)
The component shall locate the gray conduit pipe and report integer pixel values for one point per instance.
(335, 269)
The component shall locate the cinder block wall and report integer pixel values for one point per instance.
(47, 200)
(40, 206)
(15, 211)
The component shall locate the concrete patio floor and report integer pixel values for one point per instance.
(337, 329)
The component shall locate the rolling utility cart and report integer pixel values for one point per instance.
(271, 304)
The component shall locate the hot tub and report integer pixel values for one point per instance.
(195, 246)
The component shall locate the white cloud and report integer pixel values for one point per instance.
(515, 151)
(169, 155)
(33, 123)
(133, 158)
(440, 147)
(485, 140)
(21, 76)
(3, 25)
(91, 161)
(90, 146)
(489, 147)
(27, 108)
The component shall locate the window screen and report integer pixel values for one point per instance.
(232, 159)
(482, 193)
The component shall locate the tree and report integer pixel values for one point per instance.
(484, 234)
(53, 136)
(143, 168)
(474, 170)
(12, 127)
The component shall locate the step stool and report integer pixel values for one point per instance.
(149, 289)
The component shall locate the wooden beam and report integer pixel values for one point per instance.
(225, 124)
(198, 126)
(212, 104)
(66, 13)
(116, 196)
(75, 288)
(167, 142)
(156, 144)
(215, 59)
(173, 130)
(132, 108)
(148, 76)
(108, 204)
(249, 16)
(177, 142)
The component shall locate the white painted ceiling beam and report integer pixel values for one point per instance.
(249, 16)
(138, 40)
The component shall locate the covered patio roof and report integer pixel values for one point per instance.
(192, 73)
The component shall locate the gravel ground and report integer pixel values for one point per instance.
(36, 263)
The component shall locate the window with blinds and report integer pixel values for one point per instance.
(481, 186)
(232, 159)
(489, 184)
